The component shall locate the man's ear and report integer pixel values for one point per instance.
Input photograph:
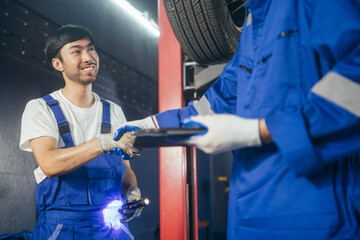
(57, 64)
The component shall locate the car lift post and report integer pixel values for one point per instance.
(175, 224)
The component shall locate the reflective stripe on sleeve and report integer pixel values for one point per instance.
(153, 118)
(39, 175)
(339, 90)
(203, 106)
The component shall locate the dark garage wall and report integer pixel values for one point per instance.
(128, 76)
(113, 30)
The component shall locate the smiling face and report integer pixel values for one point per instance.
(78, 62)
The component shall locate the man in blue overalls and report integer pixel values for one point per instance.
(79, 184)
(288, 106)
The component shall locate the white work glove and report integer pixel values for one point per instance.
(145, 123)
(125, 142)
(225, 132)
(133, 194)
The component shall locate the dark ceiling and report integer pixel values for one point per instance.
(151, 6)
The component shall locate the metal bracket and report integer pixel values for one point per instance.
(197, 76)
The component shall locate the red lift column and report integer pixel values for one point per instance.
(172, 159)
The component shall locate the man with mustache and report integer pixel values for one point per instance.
(70, 133)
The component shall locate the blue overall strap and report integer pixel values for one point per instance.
(63, 125)
(105, 124)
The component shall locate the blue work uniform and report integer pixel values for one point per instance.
(84, 203)
(298, 67)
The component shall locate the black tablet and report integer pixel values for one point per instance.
(164, 137)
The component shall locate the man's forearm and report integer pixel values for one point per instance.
(55, 162)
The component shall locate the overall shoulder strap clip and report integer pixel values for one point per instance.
(105, 124)
(63, 124)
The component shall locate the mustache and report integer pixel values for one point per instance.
(87, 64)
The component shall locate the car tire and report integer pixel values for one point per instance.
(207, 30)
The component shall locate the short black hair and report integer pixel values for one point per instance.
(64, 35)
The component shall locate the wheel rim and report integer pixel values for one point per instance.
(237, 12)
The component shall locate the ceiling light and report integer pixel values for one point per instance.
(140, 17)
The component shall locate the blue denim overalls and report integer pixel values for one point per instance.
(84, 203)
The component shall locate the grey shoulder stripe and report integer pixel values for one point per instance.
(339, 90)
(203, 106)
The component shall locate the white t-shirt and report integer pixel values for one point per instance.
(38, 120)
